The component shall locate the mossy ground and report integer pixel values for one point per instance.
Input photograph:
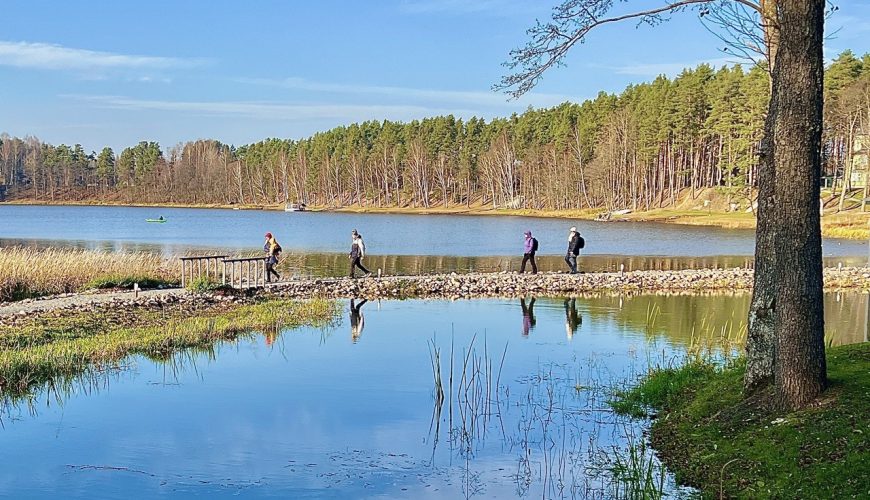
(725, 445)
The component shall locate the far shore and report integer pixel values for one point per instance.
(846, 225)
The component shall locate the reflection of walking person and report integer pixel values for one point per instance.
(357, 320)
(530, 247)
(528, 315)
(572, 319)
(575, 243)
(273, 249)
(357, 253)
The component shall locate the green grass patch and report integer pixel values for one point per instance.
(203, 284)
(660, 387)
(126, 282)
(53, 348)
(725, 445)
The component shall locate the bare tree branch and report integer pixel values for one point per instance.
(571, 21)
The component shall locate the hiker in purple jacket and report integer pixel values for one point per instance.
(530, 247)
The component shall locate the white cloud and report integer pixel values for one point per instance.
(57, 57)
(270, 110)
(466, 97)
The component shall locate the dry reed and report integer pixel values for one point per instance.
(26, 272)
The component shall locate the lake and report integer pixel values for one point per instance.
(385, 234)
(350, 411)
(316, 243)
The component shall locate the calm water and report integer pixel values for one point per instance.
(349, 412)
(386, 234)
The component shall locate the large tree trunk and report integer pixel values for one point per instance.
(799, 324)
(761, 340)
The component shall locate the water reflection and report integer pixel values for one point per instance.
(313, 413)
(573, 320)
(357, 319)
(529, 321)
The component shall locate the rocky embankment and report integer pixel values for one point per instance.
(509, 284)
(451, 286)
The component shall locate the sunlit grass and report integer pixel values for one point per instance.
(56, 347)
(26, 272)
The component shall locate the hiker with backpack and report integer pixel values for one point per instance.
(357, 252)
(530, 247)
(273, 249)
(575, 244)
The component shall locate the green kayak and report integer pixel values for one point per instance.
(156, 220)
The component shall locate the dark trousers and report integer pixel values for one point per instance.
(270, 270)
(354, 263)
(529, 257)
(571, 260)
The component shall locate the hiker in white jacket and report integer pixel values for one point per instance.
(357, 253)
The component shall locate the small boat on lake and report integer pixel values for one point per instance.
(294, 207)
(159, 220)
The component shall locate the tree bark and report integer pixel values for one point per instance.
(799, 323)
(761, 339)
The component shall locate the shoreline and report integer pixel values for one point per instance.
(852, 226)
(715, 438)
(459, 286)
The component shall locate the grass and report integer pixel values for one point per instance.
(46, 349)
(203, 284)
(26, 273)
(728, 446)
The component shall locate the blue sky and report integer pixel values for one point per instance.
(114, 73)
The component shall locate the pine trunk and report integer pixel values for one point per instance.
(761, 341)
(799, 324)
(761, 338)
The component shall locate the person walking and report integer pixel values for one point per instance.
(575, 243)
(530, 247)
(357, 253)
(273, 250)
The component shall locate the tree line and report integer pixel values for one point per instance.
(639, 149)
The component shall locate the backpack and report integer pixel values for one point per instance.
(534, 245)
(581, 242)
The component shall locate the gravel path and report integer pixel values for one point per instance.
(456, 286)
(79, 299)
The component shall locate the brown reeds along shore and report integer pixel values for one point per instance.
(27, 272)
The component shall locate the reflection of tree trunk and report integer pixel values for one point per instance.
(800, 373)
(761, 340)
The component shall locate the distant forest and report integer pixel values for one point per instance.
(639, 150)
